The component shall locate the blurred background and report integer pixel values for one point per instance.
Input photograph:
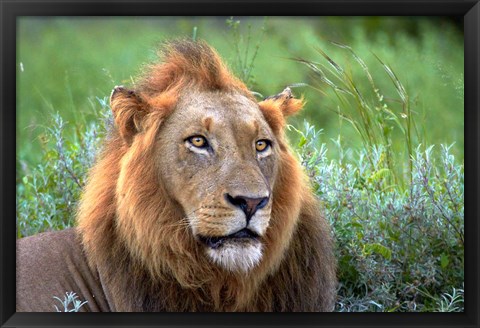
(65, 64)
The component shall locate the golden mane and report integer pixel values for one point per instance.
(186, 63)
(129, 224)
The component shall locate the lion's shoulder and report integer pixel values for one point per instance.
(51, 264)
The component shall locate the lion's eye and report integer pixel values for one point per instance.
(198, 141)
(262, 145)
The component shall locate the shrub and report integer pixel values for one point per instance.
(48, 194)
(395, 248)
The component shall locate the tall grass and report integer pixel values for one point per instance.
(372, 115)
(244, 54)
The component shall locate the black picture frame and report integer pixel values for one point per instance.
(10, 10)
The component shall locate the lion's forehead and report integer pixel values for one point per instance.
(224, 111)
(219, 103)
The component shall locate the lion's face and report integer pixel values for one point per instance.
(218, 159)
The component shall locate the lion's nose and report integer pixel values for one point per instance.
(248, 205)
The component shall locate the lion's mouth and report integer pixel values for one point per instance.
(239, 236)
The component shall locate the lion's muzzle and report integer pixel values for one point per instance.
(248, 205)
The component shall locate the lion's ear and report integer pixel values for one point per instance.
(128, 110)
(286, 102)
(276, 108)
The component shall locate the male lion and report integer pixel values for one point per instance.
(195, 204)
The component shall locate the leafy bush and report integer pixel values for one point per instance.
(48, 194)
(395, 248)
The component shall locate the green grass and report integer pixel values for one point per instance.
(371, 115)
(63, 64)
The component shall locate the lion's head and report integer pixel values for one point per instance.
(196, 183)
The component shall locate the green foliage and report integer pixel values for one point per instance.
(394, 247)
(453, 302)
(48, 194)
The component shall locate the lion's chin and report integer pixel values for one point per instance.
(237, 256)
(237, 252)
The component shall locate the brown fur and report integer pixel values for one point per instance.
(129, 219)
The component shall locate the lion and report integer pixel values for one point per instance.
(196, 203)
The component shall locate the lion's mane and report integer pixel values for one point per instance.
(130, 236)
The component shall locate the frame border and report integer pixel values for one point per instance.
(10, 10)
